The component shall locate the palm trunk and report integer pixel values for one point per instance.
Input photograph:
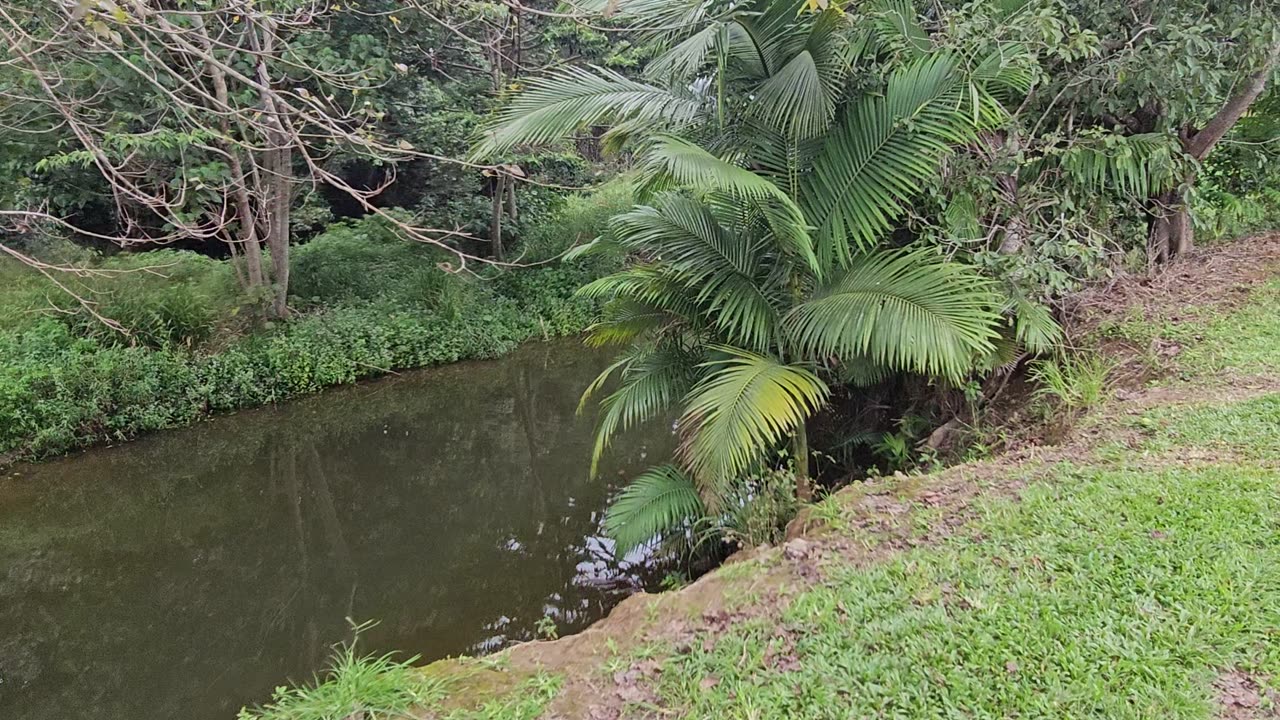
(800, 448)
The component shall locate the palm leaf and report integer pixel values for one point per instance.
(720, 268)
(555, 106)
(657, 502)
(744, 405)
(692, 166)
(902, 310)
(683, 61)
(897, 24)
(1136, 165)
(884, 151)
(1034, 325)
(653, 380)
(796, 100)
(625, 320)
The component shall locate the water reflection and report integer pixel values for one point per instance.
(187, 574)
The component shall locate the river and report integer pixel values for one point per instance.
(186, 574)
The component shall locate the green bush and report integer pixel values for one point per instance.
(369, 303)
(365, 260)
(60, 391)
(164, 297)
(579, 220)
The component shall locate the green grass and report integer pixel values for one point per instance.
(372, 687)
(1246, 341)
(1072, 383)
(1106, 594)
(1248, 429)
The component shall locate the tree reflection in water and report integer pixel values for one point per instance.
(187, 574)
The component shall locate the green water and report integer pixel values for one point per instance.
(185, 575)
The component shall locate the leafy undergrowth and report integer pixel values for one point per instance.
(1129, 573)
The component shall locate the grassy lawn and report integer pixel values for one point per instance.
(1136, 578)
(1115, 593)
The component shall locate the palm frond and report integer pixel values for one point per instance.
(861, 372)
(744, 405)
(1034, 325)
(652, 381)
(906, 311)
(898, 25)
(661, 21)
(1135, 165)
(795, 99)
(879, 157)
(799, 97)
(719, 267)
(659, 501)
(555, 106)
(682, 62)
(625, 320)
(692, 166)
(650, 284)
(1009, 70)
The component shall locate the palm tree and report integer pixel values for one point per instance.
(779, 145)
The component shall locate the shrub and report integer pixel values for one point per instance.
(164, 298)
(60, 390)
(365, 260)
(581, 219)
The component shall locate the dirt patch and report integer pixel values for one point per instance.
(1242, 697)
(1217, 278)
(1210, 280)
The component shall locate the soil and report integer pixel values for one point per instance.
(1242, 697)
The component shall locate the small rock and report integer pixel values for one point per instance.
(797, 549)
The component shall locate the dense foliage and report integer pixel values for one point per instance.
(835, 194)
(837, 202)
(368, 304)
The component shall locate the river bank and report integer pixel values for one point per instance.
(366, 305)
(1126, 571)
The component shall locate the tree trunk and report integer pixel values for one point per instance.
(495, 223)
(512, 210)
(281, 203)
(800, 448)
(277, 184)
(1172, 232)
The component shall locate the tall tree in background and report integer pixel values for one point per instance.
(205, 119)
(1186, 71)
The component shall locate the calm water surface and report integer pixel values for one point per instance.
(185, 575)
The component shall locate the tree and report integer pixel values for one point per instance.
(204, 119)
(1183, 70)
(781, 144)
